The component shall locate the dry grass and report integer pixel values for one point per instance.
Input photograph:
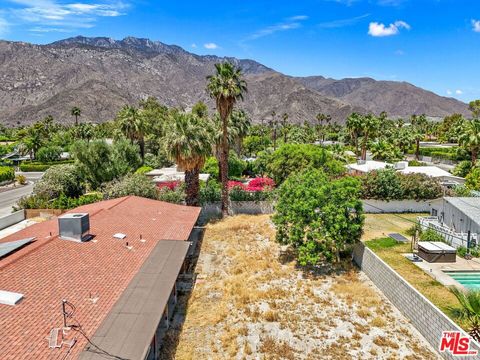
(251, 303)
(380, 225)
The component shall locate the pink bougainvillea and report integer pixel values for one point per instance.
(168, 184)
(236, 184)
(260, 184)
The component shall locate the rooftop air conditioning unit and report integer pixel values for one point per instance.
(74, 227)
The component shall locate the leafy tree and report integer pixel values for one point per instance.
(382, 185)
(354, 127)
(419, 124)
(59, 179)
(49, 153)
(462, 168)
(131, 184)
(420, 186)
(293, 158)
(226, 87)
(474, 107)
(253, 144)
(99, 162)
(76, 111)
(386, 151)
(236, 166)
(472, 180)
(320, 218)
(200, 109)
(188, 142)
(451, 128)
(470, 139)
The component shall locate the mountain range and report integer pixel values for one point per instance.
(100, 75)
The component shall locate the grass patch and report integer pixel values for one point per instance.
(438, 294)
(380, 225)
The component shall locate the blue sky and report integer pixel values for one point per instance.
(434, 44)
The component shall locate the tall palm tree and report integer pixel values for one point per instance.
(419, 124)
(470, 303)
(354, 128)
(227, 86)
(369, 125)
(133, 125)
(470, 139)
(77, 112)
(240, 124)
(188, 142)
(285, 124)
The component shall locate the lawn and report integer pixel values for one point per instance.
(251, 301)
(392, 253)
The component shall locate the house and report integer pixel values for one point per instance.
(100, 279)
(445, 178)
(170, 174)
(460, 214)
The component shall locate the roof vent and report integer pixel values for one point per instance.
(10, 298)
(74, 227)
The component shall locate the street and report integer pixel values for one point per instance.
(10, 197)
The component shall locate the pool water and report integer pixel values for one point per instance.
(469, 279)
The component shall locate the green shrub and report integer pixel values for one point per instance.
(431, 235)
(462, 168)
(239, 194)
(64, 202)
(420, 187)
(41, 167)
(210, 192)
(176, 196)
(22, 180)
(61, 179)
(462, 251)
(33, 202)
(236, 166)
(416, 163)
(48, 154)
(131, 184)
(7, 173)
(143, 169)
(472, 180)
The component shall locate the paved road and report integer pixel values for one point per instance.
(10, 197)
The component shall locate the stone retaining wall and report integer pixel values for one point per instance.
(425, 316)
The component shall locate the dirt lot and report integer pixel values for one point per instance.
(251, 302)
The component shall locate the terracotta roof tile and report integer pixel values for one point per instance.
(52, 269)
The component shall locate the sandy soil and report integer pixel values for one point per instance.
(251, 302)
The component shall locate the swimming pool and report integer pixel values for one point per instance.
(469, 279)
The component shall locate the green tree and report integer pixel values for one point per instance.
(227, 86)
(319, 217)
(49, 153)
(472, 180)
(200, 109)
(77, 112)
(470, 139)
(474, 107)
(133, 125)
(354, 129)
(419, 124)
(59, 179)
(470, 309)
(188, 142)
(131, 184)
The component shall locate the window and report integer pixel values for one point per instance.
(434, 212)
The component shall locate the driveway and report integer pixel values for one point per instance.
(10, 197)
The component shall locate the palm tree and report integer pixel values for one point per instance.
(470, 303)
(285, 117)
(226, 87)
(353, 127)
(76, 111)
(470, 139)
(419, 124)
(133, 125)
(239, 124)
(188, 142)
(368, 126)
(320, 119)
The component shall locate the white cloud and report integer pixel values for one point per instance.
(290, 23)
(476, 25)
(449, 92)
(399, 52)
(4, 26)
(210, 46)
(342, 22)
(56, 15)
(378, 29)
(194, 45)
(458, 92)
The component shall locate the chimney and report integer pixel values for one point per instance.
(74, 227)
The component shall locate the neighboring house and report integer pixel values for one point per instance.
(460, 214)
(115, 262)
(169, 174)
(16, 157)
(445, 178)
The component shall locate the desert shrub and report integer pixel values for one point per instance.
(64, 202)
(22, 180)
(236, 166)
(472, 180)
(462, 251)
(33, 202)
(210, 192)
(131, 184)
(48, 154)
(144, 169)
(416, 163)
(7, 173)
(175, 196)
(431, 235)
(462, 168)
(61, 179)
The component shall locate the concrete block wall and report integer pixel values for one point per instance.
(425, 316)
(11, 219)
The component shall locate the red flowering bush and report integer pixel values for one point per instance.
(168, 184)
(236, 184)
(260, 184)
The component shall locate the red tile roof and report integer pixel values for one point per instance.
(52, 269)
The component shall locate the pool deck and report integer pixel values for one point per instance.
(436, 270)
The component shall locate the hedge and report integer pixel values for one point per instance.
(7, 173)
(41, 167)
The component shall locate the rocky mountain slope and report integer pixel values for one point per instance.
(100, 75)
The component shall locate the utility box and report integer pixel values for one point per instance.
(75, 227)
